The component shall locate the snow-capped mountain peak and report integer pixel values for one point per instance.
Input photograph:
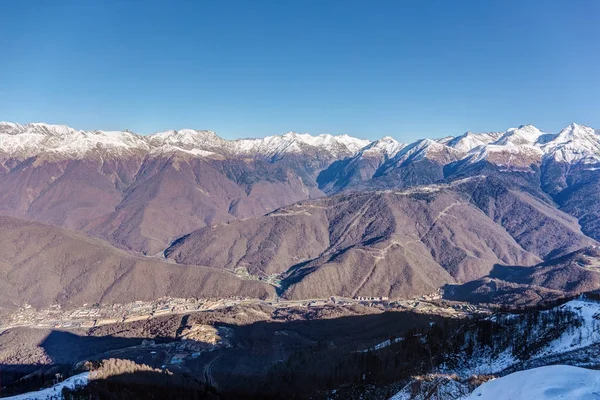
(427, 149)
(10, 127)
(386, 146)
(526, 145)
(60, 140)
(469, 140)
(444, 140)
(51, 128)
(523, 135)
(185, 139)
(508, 156)
(35, 128)
(575, 143)
(516, 147)
(292, 142)
(575, 131)
(328, 141)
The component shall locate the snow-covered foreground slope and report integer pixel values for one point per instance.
(441, 387)
(550, 382)
(55, 392)
(568, 334)
(572, 326)
(578, 337)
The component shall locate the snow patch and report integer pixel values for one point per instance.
(387, 147)
(436, 388)
(583, 336)
(383, 345)
(55, 392)
(550, 382)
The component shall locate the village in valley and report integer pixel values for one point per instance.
(93, 315)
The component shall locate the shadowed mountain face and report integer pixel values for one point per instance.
(577, 192)
(43, 265)
(262, 339)
(356, 171)
(571, 274)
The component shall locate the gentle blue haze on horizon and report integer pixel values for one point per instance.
(408, 69)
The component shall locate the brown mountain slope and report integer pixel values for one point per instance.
(396, 243)
(571, 274)
(169, 197)
(143, 202)
(537, 225)
(42, 265)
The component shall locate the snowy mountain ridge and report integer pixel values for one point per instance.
(516, 147)
(28, 140)
(527, 145)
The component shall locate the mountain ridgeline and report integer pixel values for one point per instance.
(318, 215)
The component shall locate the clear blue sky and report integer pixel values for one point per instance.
(409, 69)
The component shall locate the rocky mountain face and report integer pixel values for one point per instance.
(400, 219)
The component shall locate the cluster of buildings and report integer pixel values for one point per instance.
(89, 316)
(371, 298)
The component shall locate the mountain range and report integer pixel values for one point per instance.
(321, 215)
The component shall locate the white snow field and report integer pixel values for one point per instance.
(543, 383)
(55, 392)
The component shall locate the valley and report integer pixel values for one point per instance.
(299, 200)
(91, 316)
(244, 268)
